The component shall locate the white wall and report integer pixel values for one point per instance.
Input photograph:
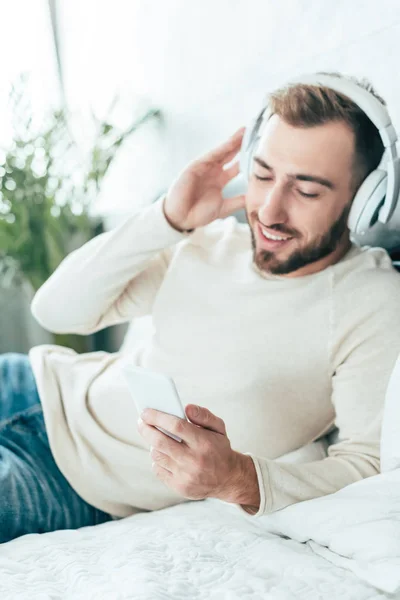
(208, 66)
(26, 46)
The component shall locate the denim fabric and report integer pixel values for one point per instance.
(34, 495)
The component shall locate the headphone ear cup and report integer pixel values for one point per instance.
(249, 142)
(244, 158)
(367, 202)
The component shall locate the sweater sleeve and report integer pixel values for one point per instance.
(112, 278)
(364, 352)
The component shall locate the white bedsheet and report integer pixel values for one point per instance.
(358, 527)
(195, 551)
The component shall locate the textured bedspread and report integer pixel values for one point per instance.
(199, 550)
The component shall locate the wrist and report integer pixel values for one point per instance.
(243, 486)
(172, 222)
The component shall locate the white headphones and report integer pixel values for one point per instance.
(378, 195)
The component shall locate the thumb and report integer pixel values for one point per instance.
(199, 415)
(231, 205)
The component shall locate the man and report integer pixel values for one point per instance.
(275, 332)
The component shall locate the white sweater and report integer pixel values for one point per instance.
(281, 360)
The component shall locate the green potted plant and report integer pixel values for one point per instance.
(47, 189)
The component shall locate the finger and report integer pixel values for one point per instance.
(162, 460)
(231, 205)
(159, 440)
(204, 417)
(226, 151)
(170, 423)
(162, 474)
(231, 172)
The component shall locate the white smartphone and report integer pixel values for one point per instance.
(150, 389)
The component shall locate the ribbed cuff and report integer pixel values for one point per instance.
(263, 485)
(160, 225)
(182, 231)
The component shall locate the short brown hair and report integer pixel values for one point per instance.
(303, 105)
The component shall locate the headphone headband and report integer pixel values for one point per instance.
(368, 103)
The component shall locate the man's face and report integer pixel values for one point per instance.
(303, 196)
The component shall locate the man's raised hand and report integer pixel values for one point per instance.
(195, 199)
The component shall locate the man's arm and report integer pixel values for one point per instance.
(116, 276)
(110, 279)
(282, 484)
(364, 355)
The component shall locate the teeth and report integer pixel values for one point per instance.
(273, 237)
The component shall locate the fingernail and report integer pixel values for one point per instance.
(195, 410)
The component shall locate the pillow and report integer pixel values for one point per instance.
(357, 527)
(390, 434)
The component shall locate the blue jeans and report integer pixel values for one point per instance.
(34, 495)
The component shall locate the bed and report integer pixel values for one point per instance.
(345, 546)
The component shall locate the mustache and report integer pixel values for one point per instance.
(275, 227)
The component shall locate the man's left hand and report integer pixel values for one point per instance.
(203, 465)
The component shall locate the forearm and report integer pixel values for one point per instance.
(282, 484)
(83, 293)
(260, 486)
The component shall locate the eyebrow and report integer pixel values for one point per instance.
(299, 176)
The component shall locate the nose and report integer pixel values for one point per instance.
(273, 209)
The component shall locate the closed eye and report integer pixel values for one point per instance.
(308, 195)
(262, 178)
(301, 193)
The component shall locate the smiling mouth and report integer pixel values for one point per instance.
(272, 240)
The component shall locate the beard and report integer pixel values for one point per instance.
(319, 248)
